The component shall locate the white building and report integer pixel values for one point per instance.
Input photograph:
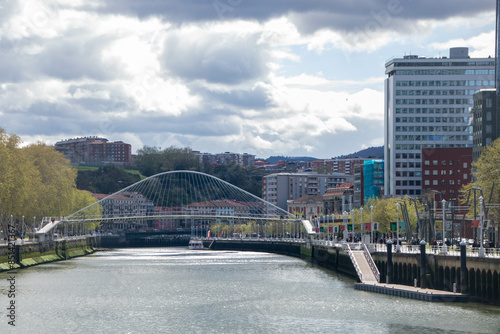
(427, 103)
(279, 188)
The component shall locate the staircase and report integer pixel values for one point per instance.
(364, 265)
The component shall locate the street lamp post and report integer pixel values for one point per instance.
(352, 223)
(333, 227)
(443, 202)
(397, 227)
(371, 229)
(344, 215)
(361, 223)
(481, 247)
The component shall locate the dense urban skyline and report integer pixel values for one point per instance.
(267, 78)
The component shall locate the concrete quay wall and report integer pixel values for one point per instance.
(444, 273)
(33, 253)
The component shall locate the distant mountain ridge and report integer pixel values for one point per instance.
(375, 151)
(275, 159)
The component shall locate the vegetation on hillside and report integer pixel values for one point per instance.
(151, 161)
(105, 180)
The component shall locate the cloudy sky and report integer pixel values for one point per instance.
(266, 77)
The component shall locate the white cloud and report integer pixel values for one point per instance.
(160, 76)
(480, 46)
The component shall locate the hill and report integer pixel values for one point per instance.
(377, 152)
(274, 159)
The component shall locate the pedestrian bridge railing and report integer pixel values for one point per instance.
(433, 249)
(371, 263)
(347, 248)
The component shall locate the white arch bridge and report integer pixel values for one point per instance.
(177, 200)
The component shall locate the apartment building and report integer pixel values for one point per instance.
(446, 170)
(95, 151)
(279, 188)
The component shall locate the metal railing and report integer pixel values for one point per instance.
(434, 249)
(371, 263)
(353, 260)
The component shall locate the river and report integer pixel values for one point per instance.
(175, 290)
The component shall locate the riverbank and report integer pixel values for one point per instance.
(34, 253)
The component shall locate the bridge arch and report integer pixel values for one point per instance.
(180, 194)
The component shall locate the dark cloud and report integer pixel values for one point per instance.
(68, 58)
(218, 58)
(46, 118)
(253, 98)
(309, 15)
(72, 58)
(200, 123)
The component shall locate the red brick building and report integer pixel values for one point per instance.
(446, 170)
(95, 151)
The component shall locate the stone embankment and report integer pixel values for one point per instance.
(21, 255)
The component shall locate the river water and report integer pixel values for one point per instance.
(175, 290)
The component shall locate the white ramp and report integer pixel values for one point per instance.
(367, 274)
(309, 227)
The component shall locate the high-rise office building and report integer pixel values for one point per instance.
(427, 103)
(485, 120)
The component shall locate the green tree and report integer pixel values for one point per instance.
(384, 212)
(35, 181)
(18, 180)
(56, 179)
(179, 159)
(149, 160)
(486, 176)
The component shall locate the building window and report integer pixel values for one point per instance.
(427, 162)
(434, 182)
(426, 182)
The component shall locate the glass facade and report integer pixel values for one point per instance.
(373, 179)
